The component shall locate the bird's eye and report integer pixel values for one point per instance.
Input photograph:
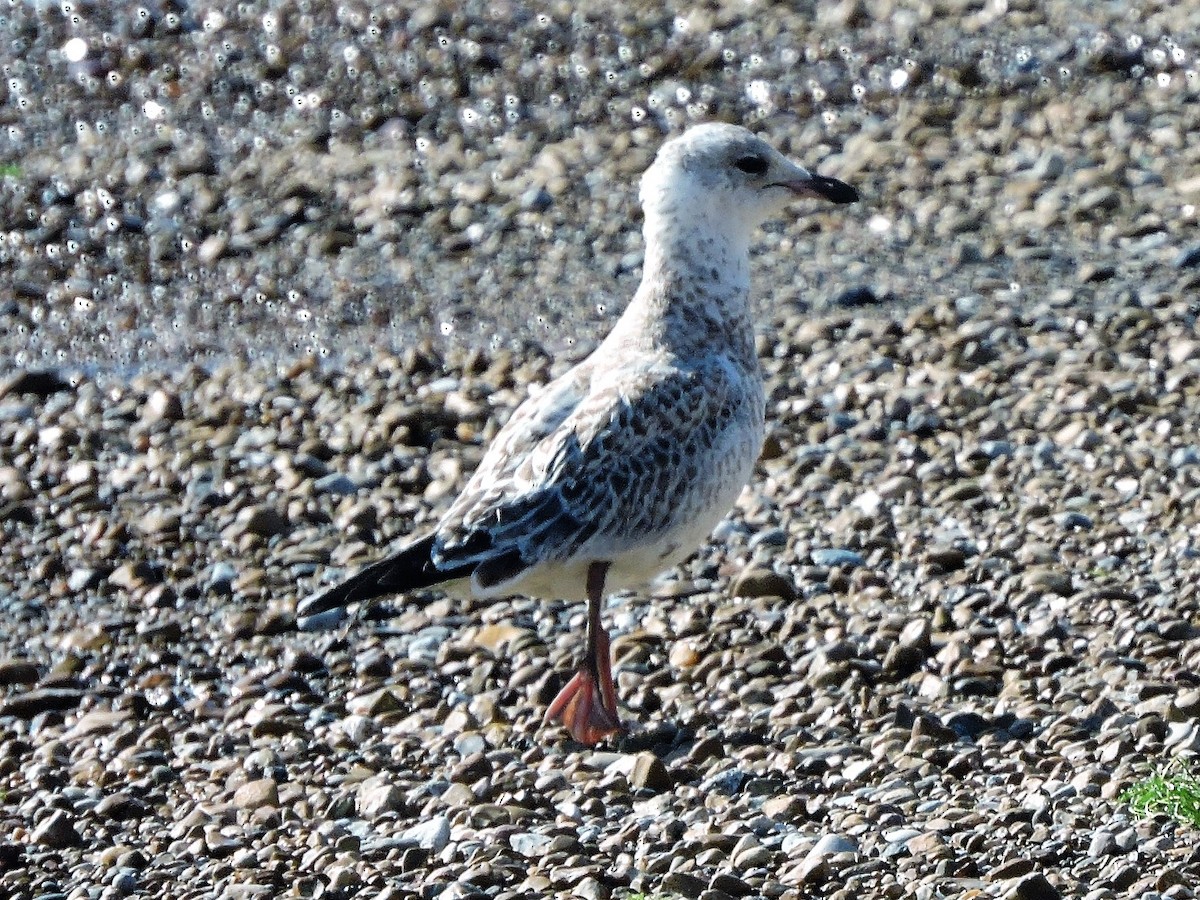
(751, 165)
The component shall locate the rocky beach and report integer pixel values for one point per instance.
(273, 273)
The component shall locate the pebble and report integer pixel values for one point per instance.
(432, 835)
(56, 831)
(257, 793)
(835, 557)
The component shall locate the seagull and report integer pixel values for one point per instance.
(622, 466)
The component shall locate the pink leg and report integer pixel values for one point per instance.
(587, 705)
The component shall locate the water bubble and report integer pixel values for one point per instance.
(1134, 42)
(759, 92)
(447, 328)
(1164, 79)
(637, 113)
(75, 50)
(898, 79)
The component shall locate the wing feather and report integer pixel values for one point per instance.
(601, 452)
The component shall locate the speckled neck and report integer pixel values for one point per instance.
(695, 289)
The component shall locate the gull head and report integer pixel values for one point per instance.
(730, 178)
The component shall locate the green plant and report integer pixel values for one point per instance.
(9, 170)
(1173, 790)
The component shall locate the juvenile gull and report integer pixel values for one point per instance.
(621, 467)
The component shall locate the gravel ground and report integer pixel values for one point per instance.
(272, 274)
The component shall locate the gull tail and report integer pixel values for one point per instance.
(408, 569)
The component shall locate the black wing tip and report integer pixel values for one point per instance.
(324, 608)
(409, 569)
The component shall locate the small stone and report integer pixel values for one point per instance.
(38, 382)
(591, 888)
(162, 406)
(212, 248)
(379, 795)
(1013, 868)
(432, 835)
(10, 857)
(343, 880)
(1034, 887)
(264, 521)
(1091, 273)
(926, 844)
(17, 671)
(530, 844)
(729, 885)
(682, 884)
(28, 704)
(831, 845)
(1048, 581)
(121, 806)
(916, 634)
(335, 483)
(1102, 844)
(57, 831)
(1186, 704)
(650, 773)
(758, 581)
(1188, 258)
(856, 298)
(82, 579)
(831, 556)
(255, 794)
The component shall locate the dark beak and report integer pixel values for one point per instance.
(824, 188)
